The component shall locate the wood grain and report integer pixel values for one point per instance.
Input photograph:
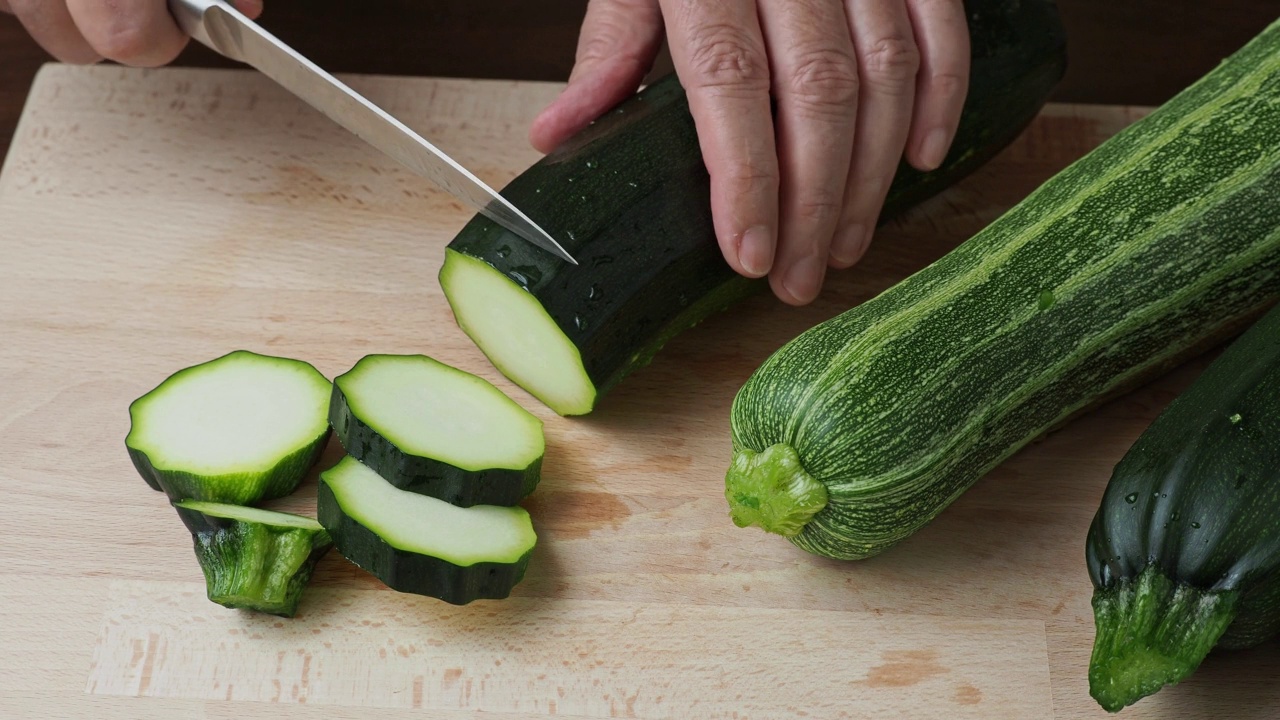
(150, 220)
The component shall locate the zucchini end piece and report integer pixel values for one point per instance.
(771, 489)
(254, 559)
(517, 334)
(1152, 632)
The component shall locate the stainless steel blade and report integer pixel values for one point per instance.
(227, 31)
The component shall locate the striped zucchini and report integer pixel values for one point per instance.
(1160, 242)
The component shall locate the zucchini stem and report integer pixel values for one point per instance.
(1152, 632)
(252, 566)
(772, 489)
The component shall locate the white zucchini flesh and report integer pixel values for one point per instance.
(250, 514)
(424, 525)
(432, 410)
(240, 414)
(513, 330)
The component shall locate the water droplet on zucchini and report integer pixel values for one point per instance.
(1195, 524)
(503, 251)
(1131, 498)
(595, 292)
(579, 323)
(1046, 299)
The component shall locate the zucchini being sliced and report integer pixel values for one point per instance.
(430, 428)
(237, 429)
(419, 544)
(254, 559)
(629, 197)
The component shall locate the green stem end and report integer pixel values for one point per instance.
(255, 567)
(1152, 632)
(771, 489)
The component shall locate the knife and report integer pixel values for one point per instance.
(230, 33)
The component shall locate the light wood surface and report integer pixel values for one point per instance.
(150, 220)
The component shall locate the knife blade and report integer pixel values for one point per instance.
(230, 33)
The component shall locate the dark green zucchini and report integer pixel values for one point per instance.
(629, 197)
(430, 428)
(1184, 552)
(237, 429)
(1160, 242)
(418, 544)
(254, 559)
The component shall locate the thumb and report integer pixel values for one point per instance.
(616, 48)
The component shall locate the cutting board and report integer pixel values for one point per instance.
(150, 220)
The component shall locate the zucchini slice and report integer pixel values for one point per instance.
(237, 429)
(419, 544)
(433, 429)
(254, 559)
(629, 196)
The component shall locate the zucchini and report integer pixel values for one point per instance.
(418, 544)
(430, 428)
(238, 429)
(252, 558)
(629, 197)
(1160, 242)
(1184, 552)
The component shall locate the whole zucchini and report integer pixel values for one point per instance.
(629, 197)
(1164, 239)
(1184, 552)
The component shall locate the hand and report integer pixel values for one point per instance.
(131, 32)
(858, 84)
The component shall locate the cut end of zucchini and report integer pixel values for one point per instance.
(515, 332)
(238, 429)
(254, 559)
(1152, 632)
(772, 490)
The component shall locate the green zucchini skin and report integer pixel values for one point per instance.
(424, 475)
(254, 566)
(1184, 552)
(629, 198)
(281, 480)
(409, 572)
(1159, 243)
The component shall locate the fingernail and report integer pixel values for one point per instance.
(846, 248)
(252, 8)
(804, 278)
(755, 250)
(934, 150)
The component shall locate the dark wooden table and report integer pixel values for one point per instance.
(1132, 52)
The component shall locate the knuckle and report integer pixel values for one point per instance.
(825, 79)
(891, 61)
(820, 209)
(124, 42)
(725, 57)
(949, 84)
(752, 179)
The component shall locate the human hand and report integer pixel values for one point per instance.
(131, 32)
(858, 83)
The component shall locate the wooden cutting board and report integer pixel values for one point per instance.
(150, 220)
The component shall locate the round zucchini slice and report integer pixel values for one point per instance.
(237, 429)
(418, 544)
(433, 429)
